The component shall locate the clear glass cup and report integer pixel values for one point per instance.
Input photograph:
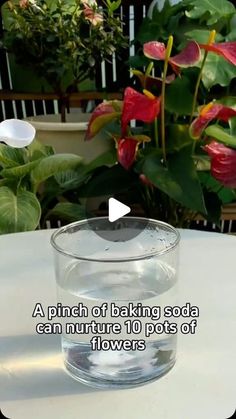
(122, 282)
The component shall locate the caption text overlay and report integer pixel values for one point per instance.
(113, 326)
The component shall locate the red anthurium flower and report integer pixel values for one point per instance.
(188, 57)
(225, 49)
(207, 114)
(138, 106)
(223, 163)
(126, 150)
(104, 109)
(154, 50)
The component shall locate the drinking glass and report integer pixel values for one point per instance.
(118, 277)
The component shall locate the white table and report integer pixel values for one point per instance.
(33, 383)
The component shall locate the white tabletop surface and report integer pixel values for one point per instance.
(201, 385)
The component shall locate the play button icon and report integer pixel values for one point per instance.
(115, 222)
(116, 210)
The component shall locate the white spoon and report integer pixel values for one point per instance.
(16, 133)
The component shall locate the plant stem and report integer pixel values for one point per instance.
(210, 41)
(147, 73)
(163, 92)
(198, 85)
(63, 111)
(156, 132)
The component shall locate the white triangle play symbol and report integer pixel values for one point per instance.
(116, 210)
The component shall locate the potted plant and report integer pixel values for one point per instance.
(63, 41)
(37, 185)
(182, 160)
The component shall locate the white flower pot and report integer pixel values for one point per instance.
(68, 137)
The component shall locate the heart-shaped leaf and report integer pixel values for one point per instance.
(202, 35)
(105, 159)
(69, 179)
(221, 135)
(72, 179)
(217, 71)
(179, 180)
(68, 211)
(19, 171)
(226, 195)
(175, 102)
(178, 137)
(37, 150)
(51, 165)
(108, 182)
(10, 157)
(210, 11)
(20, 212)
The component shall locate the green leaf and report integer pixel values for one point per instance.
(51, 165)
(182, 168)
(232, 124)
(202, 36)
(178, 137)
(228, 101)
(213, 204)
(231, 36)
(114, 5)
(162, 23)
(231, 102)
(226, 195)
(221, 135)
(217, 71)
(19, 212)
(210, 11)
(19, 171)
(37, 150)
(106, 159)
(68, 211)
(149, 30)
(176, 102)
(179, 181)
(138, 61)
(108, 182)
(161, 178)
(101, 121)
(11, 157)
(72, 179)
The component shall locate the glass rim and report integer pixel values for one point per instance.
(150, 254)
